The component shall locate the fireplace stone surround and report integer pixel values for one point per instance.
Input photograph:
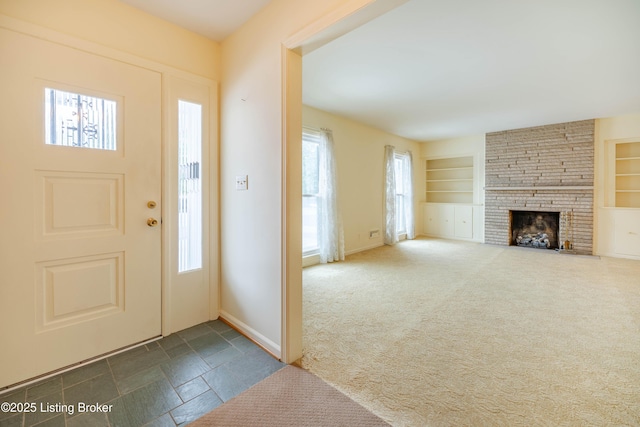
(541, 169)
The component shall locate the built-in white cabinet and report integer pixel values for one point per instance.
(452, 221)
(619, 219)
(627, 185)
(449, 210)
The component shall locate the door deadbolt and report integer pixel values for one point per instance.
(152, 222)
(151, 204)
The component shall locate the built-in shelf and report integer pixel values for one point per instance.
(627, 175)
(449, 180)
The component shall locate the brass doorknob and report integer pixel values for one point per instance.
(152, 222)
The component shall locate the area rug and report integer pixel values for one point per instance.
(447, 333)
(290, 397)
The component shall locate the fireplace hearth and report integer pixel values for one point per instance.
(535, 229)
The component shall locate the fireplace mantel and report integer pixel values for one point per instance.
(545, 188)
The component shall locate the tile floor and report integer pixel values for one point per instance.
(169, 382)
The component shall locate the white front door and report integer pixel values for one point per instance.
(80, 171)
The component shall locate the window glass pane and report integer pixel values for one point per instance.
(189, 186)
(310, 190)
(75, 120)
(309, 224)
(401, 226)
(310, 177)
(399, 175)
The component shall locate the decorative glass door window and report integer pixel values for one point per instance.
(189, 186)
(75, 120)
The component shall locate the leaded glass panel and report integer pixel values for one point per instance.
(76, 120)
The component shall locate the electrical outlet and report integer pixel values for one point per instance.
(241, 182)
(374, 234)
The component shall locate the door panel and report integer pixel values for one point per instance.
(70, 203)
(74, 290)
(79, 266)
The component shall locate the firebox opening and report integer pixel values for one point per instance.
(535, 229)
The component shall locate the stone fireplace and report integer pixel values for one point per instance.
(541, 170)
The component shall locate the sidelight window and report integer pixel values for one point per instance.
(189, 186)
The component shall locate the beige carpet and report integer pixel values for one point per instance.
(444, 333)
(291, 397)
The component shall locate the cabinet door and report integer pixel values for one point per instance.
(430, 220)
(439, 220)
(627, 232)
(463, 222)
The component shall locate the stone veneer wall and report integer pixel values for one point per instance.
(544, 168)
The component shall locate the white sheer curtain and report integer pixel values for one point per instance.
(408, 195)
(390, 229)
(330, 234)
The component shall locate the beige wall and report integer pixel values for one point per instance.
(116, 25)
(360, 159)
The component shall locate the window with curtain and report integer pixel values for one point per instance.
(399, 218)
(321, 226)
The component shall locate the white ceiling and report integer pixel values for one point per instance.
(434, 69)
(215, 19)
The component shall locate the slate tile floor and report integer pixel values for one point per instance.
(169, 382)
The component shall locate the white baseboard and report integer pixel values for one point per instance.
(315, 259)
(617, 255)
(434, 236)
(364, 248)
(252, 334)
